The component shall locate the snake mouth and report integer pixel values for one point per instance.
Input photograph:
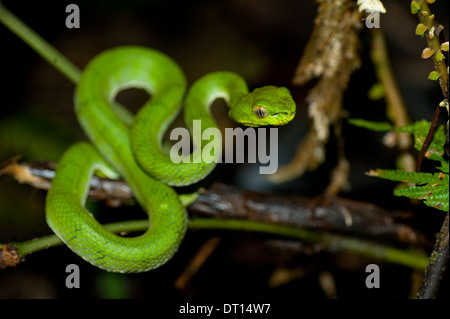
(287, 117)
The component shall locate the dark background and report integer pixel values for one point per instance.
(263, 41)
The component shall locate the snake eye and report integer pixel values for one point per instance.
(260, 112)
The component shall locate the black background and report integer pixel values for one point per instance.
(261, 40)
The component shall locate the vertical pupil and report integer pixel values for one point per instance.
(260, 112)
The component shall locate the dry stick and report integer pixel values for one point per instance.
(197, 262)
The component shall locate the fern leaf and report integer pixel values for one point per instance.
(399, 175)
(420, 130)
(434, 196)
(444, 167)
(431, 188)
(440, 202)
(434, 189)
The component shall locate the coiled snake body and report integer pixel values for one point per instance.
(134, 151)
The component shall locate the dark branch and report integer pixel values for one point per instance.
(437, 265)
(332, 214)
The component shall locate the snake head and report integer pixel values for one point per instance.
(265, 106)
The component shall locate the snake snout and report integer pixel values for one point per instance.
(283, 117)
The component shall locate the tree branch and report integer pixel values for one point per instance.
(335, 223)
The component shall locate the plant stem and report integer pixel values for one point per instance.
(53, 56)
(47, 51)
(396, 108)
(432, 36)
(331, 242)
(434, 44)
(30, 246)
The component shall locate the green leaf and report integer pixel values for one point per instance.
(439, 56)
(444, 46)
(399, 175)
(415, 7)
(434, 75)
(440, 202)
(427, 53)
(434, 196)
(421, 29)
(431, 188)
(444, 167)
(420, 130)
(376, 92)
(372, 125)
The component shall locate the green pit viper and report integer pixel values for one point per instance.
(134, 151)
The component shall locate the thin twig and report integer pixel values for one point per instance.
(197, 262)
(46, 50)
(396, 108)
(52, 55)
(428, 139)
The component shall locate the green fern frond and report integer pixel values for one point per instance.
(399, 175)
(421, 192)
(431, 188)
(444, 167)
(420, 130)
(433, 196)
(440, 202)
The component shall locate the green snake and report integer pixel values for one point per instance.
(132, 148)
